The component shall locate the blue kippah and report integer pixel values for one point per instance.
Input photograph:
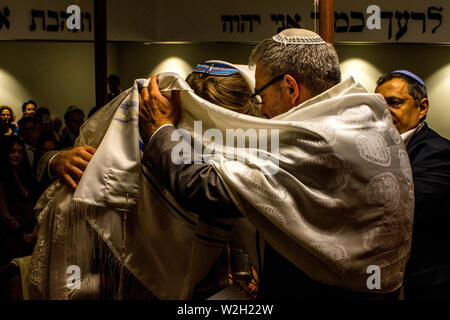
(411, 75)
(216, 69)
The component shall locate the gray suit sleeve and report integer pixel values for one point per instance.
(42, 169)
(196, 187)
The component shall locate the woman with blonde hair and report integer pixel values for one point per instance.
(223, 85)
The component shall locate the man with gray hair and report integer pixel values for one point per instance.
(339, 207)
(311, 70)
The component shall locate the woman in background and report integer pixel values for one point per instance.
(7, 116)
(17, 198)
(47, 142)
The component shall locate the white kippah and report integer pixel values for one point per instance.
(298, 36)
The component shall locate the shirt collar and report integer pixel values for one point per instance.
(406, 136)
(27, 146)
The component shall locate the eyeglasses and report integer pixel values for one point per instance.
(256, 98)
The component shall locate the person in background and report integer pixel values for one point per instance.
(3, 128)
(46, 143)
(29, 108)
(73, 118)
(92, 111)
(427, 274)
(57, 128)
(7, 116)
(114, 91)
(114, 86)
(29, 132)
(43, 117)
(17, 199)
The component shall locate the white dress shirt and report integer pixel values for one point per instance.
(406, 136)
(30, 154)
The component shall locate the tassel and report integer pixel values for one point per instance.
(123, 250)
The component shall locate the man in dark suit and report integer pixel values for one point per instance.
(427, 274)
(74, 118)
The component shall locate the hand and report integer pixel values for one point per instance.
(156, 110)
(70, 164)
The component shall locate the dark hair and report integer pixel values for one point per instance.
(114, 78)
(10, 111)
(70, 110)
(7, 147)
(26, 119)
(42, 110)
(24, 169)
(44, 137)
(28, 102)
(415, 88)
(10, 141)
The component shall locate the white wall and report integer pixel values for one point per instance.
(57, 74)
(137, 60)
(54, 74)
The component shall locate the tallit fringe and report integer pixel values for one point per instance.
(99, 260)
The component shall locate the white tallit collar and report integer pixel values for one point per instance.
(347, 86)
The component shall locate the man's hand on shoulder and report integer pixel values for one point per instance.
(70, 164)
(155, 110)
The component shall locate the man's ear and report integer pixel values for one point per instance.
(293, 89)
(423, 105)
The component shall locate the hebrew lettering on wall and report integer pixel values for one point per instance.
(406, 18)
(55, 21)
(286, 21)
(4, 18)
(397, 23)
(239, 22)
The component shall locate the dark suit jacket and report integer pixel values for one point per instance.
(429, 264)
(198, 188)
(66, 142)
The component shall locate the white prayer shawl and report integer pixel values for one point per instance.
(168, 249)
(341, 204)
(341, 201)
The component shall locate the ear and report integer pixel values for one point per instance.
(293, 89)
(423, 105)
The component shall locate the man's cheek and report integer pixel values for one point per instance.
(393, 115)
